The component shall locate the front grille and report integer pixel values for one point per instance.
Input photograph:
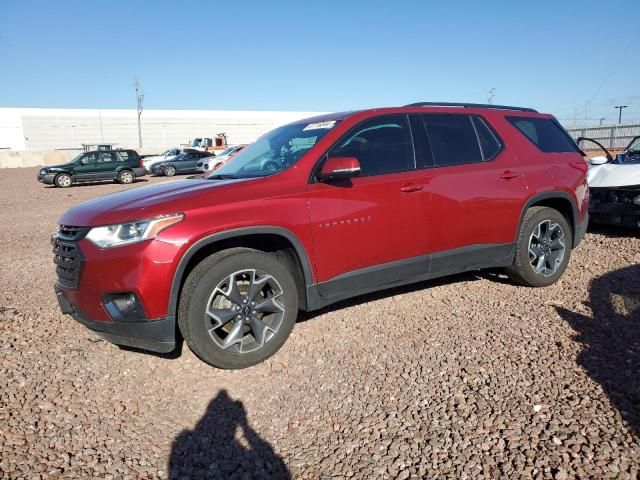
(613, 195)
(71, 233)
(67, 255)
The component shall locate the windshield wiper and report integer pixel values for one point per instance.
(223, 177)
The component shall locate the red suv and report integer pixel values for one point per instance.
(318, 211)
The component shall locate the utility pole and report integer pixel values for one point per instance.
(139, 99)
(491, 95)
(602, 119)
(620, 107)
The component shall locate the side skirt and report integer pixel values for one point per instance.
(404, 272)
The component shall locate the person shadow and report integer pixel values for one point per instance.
(611, 339)
(213, 450)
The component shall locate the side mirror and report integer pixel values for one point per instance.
(599, 160)
(339, 168)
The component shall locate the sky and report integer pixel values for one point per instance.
(575, 59)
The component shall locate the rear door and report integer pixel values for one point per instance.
(107, 164)
(477, 191)
(371, 230)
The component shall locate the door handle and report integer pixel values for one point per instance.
(508, 174)
(411, 187)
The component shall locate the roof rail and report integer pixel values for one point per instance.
(470, 105)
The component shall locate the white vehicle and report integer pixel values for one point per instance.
(614, 185)
(167, 156)
(213, 163)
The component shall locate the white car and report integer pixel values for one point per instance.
(167, 156)
(614, 185)
(213, 163)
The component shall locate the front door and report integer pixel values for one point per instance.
(371, 230)
(86, 167)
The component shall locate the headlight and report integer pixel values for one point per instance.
(131, 232)
(637, 200)
(43, 172)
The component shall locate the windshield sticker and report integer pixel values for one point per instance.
(320, 125)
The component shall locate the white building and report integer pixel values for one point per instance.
(42, 129)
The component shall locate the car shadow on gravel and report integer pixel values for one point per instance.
(610, 339)
(390, 292)
(223, 445)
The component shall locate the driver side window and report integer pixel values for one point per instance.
(381, 145)
(89, 159)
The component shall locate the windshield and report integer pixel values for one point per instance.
(196, 142)
(226, 151)
(275, 150)
(634, 146)
(169, 153)
(76, 158)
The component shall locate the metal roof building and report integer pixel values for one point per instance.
(49, 129)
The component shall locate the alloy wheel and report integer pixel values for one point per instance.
(244, 311)
(546, 248)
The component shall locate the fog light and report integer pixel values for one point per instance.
(124, 307)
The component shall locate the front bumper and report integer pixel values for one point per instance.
(158, 335)
(620, 214)
(47, 179)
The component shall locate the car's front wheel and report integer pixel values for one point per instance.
(238, 307)
(543, 248)
(169, 171)
(63, 180)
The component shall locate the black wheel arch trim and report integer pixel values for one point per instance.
(551, 195)
(230, 234)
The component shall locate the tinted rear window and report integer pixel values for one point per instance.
(544, 133)
(452, 138)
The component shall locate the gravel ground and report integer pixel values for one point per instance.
(466, 377)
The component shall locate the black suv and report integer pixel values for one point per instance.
(120, 165)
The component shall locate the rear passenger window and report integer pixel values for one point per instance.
(452, 138)
(544, 133)
(489, 142)
(381, 145)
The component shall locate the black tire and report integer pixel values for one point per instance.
(522, 270)
(169, 171)
(126, 177)
(198, 291)
(63, 180)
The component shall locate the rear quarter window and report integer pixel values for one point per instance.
(544, 133)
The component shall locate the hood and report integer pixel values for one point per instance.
(155, 158)
(145, 202)
(611, 175)
(56, 167)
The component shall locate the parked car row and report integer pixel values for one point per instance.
(124, 166)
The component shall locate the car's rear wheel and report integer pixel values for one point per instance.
(238, 307)
(126, 176)
(63, 180)
(169, 171)
(543, 248)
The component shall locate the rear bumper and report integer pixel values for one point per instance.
(157, 335)
(581, 229)
(139, 172)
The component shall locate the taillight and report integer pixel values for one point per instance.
(141, 165)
